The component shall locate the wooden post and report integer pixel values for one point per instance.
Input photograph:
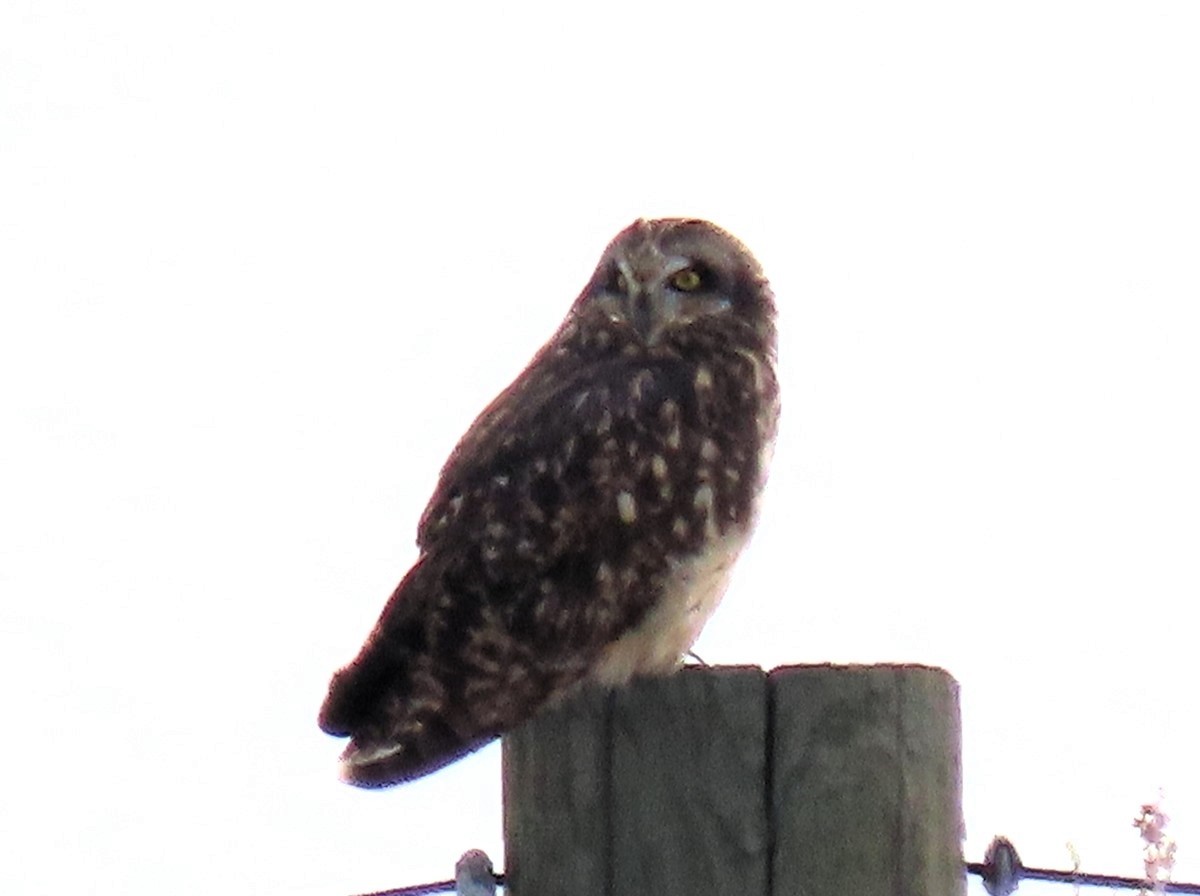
(866, 782)
(813, 780)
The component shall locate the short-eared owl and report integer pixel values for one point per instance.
(584, 527)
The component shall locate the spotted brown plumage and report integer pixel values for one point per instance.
(584, 527)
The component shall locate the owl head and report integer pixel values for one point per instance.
(660, 279)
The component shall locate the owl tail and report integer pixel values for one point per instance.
(383, 765)
(384, 751)
(399, 714)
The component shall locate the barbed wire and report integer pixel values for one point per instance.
(1083, 878)
(1001, 873)
(441, 886)
(978, 868)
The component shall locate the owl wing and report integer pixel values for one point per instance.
(557, 478)
(543, 544)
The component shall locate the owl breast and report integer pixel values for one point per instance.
(615, 500)
(709, 467)
(690, 593)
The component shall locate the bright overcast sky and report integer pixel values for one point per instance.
(262, 263)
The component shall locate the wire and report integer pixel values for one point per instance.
(1092, 880)
(441, 886)
(982, 869)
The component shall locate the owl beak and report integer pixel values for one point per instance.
(646, 309)
(639, 311)
(649, 312)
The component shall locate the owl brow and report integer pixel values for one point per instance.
(617, 273)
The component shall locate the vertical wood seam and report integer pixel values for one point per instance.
(769, 781)
(608, 797)
(899, 745)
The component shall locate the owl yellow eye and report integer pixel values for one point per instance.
(686, 280)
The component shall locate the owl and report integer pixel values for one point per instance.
(584, 528)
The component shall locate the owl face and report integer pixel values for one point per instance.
(658, 278)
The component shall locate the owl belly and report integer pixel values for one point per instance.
(693, 588)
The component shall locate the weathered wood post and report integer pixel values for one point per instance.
(814, 780)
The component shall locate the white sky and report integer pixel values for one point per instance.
(261, 264)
